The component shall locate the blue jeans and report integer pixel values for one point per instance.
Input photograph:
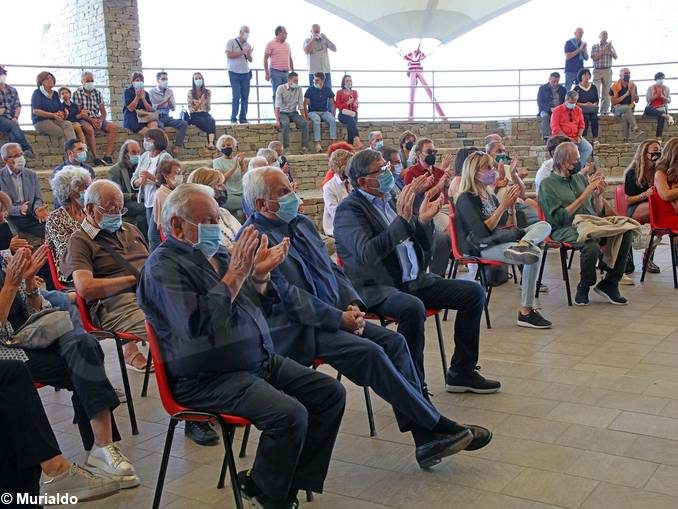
(153, 232)
(351, 124)
(570, 79)
(585, 151)
(277, 78)
(316, 117)
(535, 235)
(240, 87)
(204, 121)
(164, 120)
(14, 133)
(285, 119)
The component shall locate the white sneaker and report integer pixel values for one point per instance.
(78, 482)
(626, 280)
(111, 462)
(670, 120)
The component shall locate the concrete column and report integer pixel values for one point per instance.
(96, 33)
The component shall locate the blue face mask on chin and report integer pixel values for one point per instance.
(209, 239)
(288, 207)
(111, 222)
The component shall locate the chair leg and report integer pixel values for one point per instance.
(453, 268)
(566, 276)
(441, 345)
(163, 463)
(515, 277)
(488, 294)
(245, 438)
(227, 432)
(674, 259)
(647, 257)
(541, 271)
(125, 386)
(147, 374)
(370, 413)
(309, 496)
(338, 377)
(569, 264)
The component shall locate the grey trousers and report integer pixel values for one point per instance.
(55, 129)
(122, 313)
(602, 79)
(626, 113)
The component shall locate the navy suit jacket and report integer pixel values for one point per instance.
(31, 189)
(302, 315)
(367, 248)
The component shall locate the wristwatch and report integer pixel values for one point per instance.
(261, 281)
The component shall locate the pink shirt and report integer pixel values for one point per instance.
(279, 54)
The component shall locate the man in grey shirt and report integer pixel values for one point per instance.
(316, 48)
(289, 100)
(239, 53)
(162, 99)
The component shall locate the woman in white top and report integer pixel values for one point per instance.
(215, 179)
(335, 189)
(143, 179)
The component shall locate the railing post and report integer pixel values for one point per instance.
(519, 92)
(256, 84)
(433, 91)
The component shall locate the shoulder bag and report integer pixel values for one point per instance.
(41, 330)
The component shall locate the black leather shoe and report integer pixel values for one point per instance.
(481, 437)
(471, 382)
(433, 452)
(201, 433)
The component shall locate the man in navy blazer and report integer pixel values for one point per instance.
(321, 316)
(28, 212)
(385, 252)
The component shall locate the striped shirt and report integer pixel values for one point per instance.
(279, 54)
(9, 99)
(90, 103)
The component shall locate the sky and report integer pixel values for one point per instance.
(530, 36)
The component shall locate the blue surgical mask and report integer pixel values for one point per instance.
(81, 198)
(209, 239)
(134, 159)
(198, 82)
(570, 106)
(81, 157)
(659, 82)
(163, 84)
(379, 145)
(386, 181)
(138, 84)
(398, 168)
(288, 207)
(111, 222)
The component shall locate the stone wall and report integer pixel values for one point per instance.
(96, 33)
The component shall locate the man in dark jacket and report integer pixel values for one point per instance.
(550, 95)
(121, 173)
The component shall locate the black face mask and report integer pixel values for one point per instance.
(626, 77)
(227, 151)
(654, 156)
(430, 159)
(221, 197)
(576, 168)
(409, 145)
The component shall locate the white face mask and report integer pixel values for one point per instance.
(245, 36)
(20, 162)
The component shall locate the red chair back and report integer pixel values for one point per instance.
(53, 271)
(540, 212)
(620, 200)
(162, 235)
(662, 215)
(84, 315)
(456, 252)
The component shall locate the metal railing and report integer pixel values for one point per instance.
(464, 94)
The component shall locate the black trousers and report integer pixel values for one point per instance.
(203, 121)
(659, 115)
(26, 439)
(591, 120)
(297, 409)
(409, 307)
(28, 225)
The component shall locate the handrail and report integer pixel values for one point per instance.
(510, 93)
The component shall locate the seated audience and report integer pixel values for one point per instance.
(224, 360)
(68, 188)
(323, 318)
(385, 258)
(336, 146)
(214, 179)
(93, 118)
(658, 98)
(75, 155)
(588, 102)
(462, 154)
(547, 166)
(406, 144)
(666, 181)
(375, 140)
(269, 154)
(488, 228)
(167, 178)
(137, 114)
(47, 113)
(143, 178)
(346, 102)
(162, 99)
(336, 189)
(624, 96)
(74, 361)
(566, 193)
(319, 102)
(277, 146)
(199, 104)
(28, 212)
(550, 96)
(121, 173)
(568, 120)
(30, 448)
(73, 113)
(289, 102)
(256, 162)
(232, 164)
(10, 109)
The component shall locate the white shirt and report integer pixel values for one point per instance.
(334, 191)
(18, 184)
(149, 189)
(544, 171)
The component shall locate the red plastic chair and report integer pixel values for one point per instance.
(177, 413)
(663, 221)
(620, 200)
(58, 285)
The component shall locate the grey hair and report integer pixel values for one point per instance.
(491, 145)
(275, 143)
(178, 203)
(572, 94)
(86, 73)
(373, 133)
(124, 150)
(256, 162)
(67, 180)
(359, 165)
(254, 184)
(562, 153)
(96, 190)
(5, 148)
(224, 138)
(270, 154)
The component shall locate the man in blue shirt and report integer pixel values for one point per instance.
(208, 308)
(385, 253)
(319, 102)
(575, 55)
(323, 318)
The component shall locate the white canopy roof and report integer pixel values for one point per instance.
(393, 21)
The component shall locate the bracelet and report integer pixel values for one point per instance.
(261, 281)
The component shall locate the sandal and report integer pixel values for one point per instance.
(130, 362)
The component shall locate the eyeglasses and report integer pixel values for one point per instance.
(386, 167)
(122, 211)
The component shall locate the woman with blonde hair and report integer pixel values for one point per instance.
(215, 179)
(666, 176)
(487, 228)
(639, 178)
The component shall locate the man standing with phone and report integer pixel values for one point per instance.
(316, 47)
(239, 53)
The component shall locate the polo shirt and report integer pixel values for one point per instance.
(279, 55)
(318, 58)
(417, 170)
(318, 98)
(570, 122)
